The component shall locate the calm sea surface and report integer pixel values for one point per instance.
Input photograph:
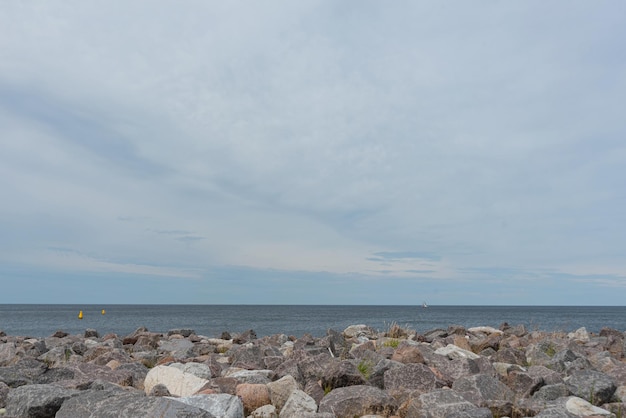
(211, 320)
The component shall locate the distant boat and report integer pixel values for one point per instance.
(424, 305)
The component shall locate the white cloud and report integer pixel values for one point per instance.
(308, 136)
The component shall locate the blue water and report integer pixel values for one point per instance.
(211, 320)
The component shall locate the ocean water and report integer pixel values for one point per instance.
(212, 320)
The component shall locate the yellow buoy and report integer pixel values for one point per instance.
(80, 315)
(103, 312)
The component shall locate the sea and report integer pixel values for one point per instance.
(211, 320)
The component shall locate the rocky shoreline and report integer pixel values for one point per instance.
(358, 372)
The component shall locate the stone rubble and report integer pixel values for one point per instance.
(479, 372)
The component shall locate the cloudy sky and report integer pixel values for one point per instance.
(313, 152)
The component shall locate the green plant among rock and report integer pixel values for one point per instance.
(365, 368)
(393, 343)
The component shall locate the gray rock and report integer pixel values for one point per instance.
(185, 332)
(486, 391)
(297, 405)
(197, 369)
(91, 333)
(414, 376)
(119, 403)
(176, 348)
(37, 401)
(357, 401)
(440, 403)
(471, 413)
(523, 383)
(4, 392)
(591, 385)
(346, 373)
(220, 405)
(551, 392)
(25, 371)
(360, 330)
(247, 357)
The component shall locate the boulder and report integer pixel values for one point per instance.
(440, 403)
(407, 353)
(297, 405)
(25, 371)
(41, 401)
(249, 376)
(346, 373)
(219, 405)
(197, 369)
(253, 396)
(454, 353)
(281, 389)
(4, 392)
(177, 382)
(112, 403)
(358, 400)
(551, 392)
(266, 411)
(361, 330)
(571, 407)
(596, 387)
(486, 391)
(412, 376)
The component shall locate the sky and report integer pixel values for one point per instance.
(313, 152)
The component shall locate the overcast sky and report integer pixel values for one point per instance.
(313, 152)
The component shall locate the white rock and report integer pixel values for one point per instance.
(453, 352)
(582, 408)
(179, 383)
(484, 330)
(580, 334)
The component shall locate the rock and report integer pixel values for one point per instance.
(440, 403)
(81, 375)
(249, 376)
(39, 401)
(281, 389)
(91, 333)
(297, 405)
(184, 332)
(407, 353)
(4, 392)
(113, 403)
(412, 376)
(25, 371)
(486, 391)
(197, 369)
(253, 396)
(247, 357)
(245, 337)
(361, 330)
(218, 405)
(176, 348)
(266, 411)
(594, 386)
(177, 382)
(159, 390)
(573, 407)
(551, 392)
(454, 353)
(357, 401)
(346, 373)
(523, 383)
(580, 335)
